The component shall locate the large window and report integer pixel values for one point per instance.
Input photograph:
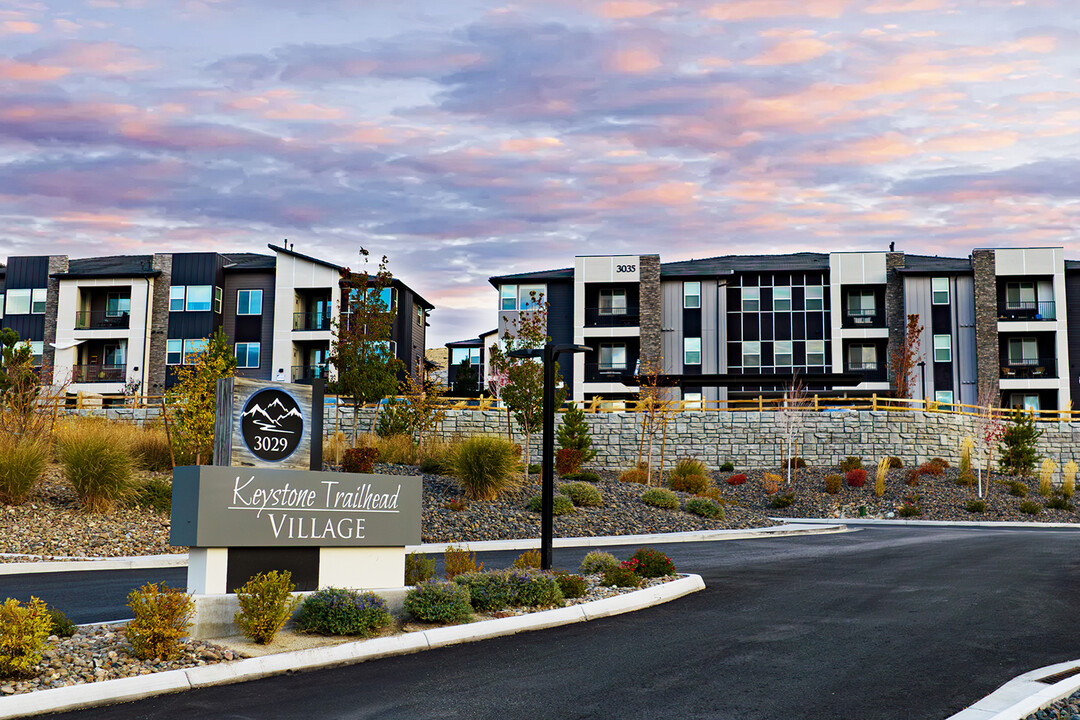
(192, 348)
(612, 356)
(1023, 351)
(176, 298)
(198, 298)
(815, 352)
(692, 400)
(691, 294)
(862, 357)
(1020, 295)
(862, 303)
(174, 352)
(751, 353)
(781, 301)
(751, 299)
(613, 301)
(508, 297)
(942, 348)
(249, 302)
(939, 288)
(815, 298)
(782, 353)
(691, 351)
(944, 397)
(114, 355)
(247, 355)
(18, 302)
(460, 355)
(117, 305)
(530, 296)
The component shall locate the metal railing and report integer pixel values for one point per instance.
(311, 321)
(605, 372)
(98, 373)
(1028, 368)
(101, 320)
(871, 371)
(628, 316)
(1027, 310)
(863, 317)
(306, 373)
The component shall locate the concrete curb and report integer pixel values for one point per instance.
(142, 686)
(1023, 695)
(180, 560)
(932, 523)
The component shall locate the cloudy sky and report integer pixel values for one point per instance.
(467, 138)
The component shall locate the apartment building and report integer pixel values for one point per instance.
(115, 324)
(998, 321)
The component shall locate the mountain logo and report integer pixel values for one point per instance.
(271, 424)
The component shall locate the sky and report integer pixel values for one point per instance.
(467, 138)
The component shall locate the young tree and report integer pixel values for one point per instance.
(573, 434)
(790, 417)
(523, 390)
(1017, 447)
(423, 397)
(902, 359)
(366, 370)
(192, 400)
(654, 404)
(20, 388)
(989, 428)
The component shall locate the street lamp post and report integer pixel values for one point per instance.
(922, 380)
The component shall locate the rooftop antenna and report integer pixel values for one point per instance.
(892, 247)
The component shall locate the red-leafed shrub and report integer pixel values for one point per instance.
(567, 461)
(359, 460)
(856, 478)
(931, 468)
(737, 479)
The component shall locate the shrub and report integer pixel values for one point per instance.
(1030, 508)
(395, 449)
(155, 493)
(634, 475)
(582, 477)
(418, 568)
(394, 419)
(1017, 451)
(266, 604)
(530, 559)
(22, 460)
(485, 466)
(620, 576)
(660, 498)
(439, 602)
(561, 505)
(597, 561)
(850, 463)
(567, 461)
(782, 501)
(342, 611)
(359, 460)
(910, 511)
(772, 482)
(95, 462)
(895, 463)
(727, 467)
(582, 494)
(911, 478)
(334, 448)
(966, 446)
(931, 468)
(1068, 482)
(737, 479)
(966, 479)
(879, 477)
(653, 563)
(535, 468)
(689, 466)
(24, 629)
(458, 560)
(713, 493)
(1046, 476)
(435, 466)
(856, 477)
(162, 617)
(150, 449)
(705, 508)
(574, 434)
(61, 624)
(457, 504)
(940, 462)
(975, 506)
(488, 591)
(833, 484)
(1059, 502)
(1017, 489)
(695, 484)
(572, 586)
(535, 589)
(793, 463)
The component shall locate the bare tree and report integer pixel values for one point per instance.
(790, 418)
(654, 404)
(989, 427)
(902, 359)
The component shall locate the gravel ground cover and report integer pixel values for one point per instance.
(1065, 709)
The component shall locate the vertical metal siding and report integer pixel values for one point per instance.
(671, 331)
(1072, 310)
(964, 339)
(917, 300)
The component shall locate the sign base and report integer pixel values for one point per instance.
(215, 571)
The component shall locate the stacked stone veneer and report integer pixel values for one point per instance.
(983, 265)
(650, 312)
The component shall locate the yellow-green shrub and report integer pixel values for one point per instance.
(22, 460)
(334, 448)
(150, 449)
(485, 466)
(458, 560)
(95, 462)
(162, 617)
(1046, 474)
(1068, 483)
(23, 632)
(879, 478)
(266, 604)
(528, 559)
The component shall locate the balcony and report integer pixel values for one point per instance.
(612, 317)
(871, 371)
(1027, 310)
(864, 318)
(1028, 368)
(101, 320)
(310, 321)
(605, 372)
(98, 373)
(304, 374)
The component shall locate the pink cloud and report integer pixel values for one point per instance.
(972, 142)
(528, 145)
(760, 9)
(789, 52)
(19, 27)
(281, 105)
(635, 60)
(626, 9)
(903, 6)
(869, 151)
(30, 72)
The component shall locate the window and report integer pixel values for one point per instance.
(692, 400)
(613, 301)
(508, 297)
(1027, 402)
(217, 300)
(176, 298)
(939, 291)
(116, 305)
(1, 305)
(691, 351)
(781, 299)
(192, 348)
(460, 355)
(942, 348)
(419, 316)
(782, 353)
(530, 296)
(247, 355)
(198, 298)
(612, 356)
(174, 352)
(751, 299)
(1020, 296)
(393, 348)
(691, 294)
(861, 303)
(815, 352)
(37, 349)
(943, 397)
(18, 302)
(862, 357)
(751, 353)
(37, 302)
(1023, 351)
(249, 302)
(114, 355)
(815, 298)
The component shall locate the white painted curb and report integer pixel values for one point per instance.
(934, 523)
(139, 562)
(1023, 695)
(133, 688)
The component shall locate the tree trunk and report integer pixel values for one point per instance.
(663, 446)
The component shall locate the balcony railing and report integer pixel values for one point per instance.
(612, 317)
(1029, 368)
(311, 321)
(871, 371)
(605, 372)
(1027, 310)
(98, 373)
(864, 318)
(306, 373)
(101, 320)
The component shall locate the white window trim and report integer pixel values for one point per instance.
(247, 352)
(815, 352)
(38, 296)
(751, 348)
(934, 292)
(686, 294)
(750, 294)
(947, 348)
(820, 299)
(789, 352)
(687, 349)
(251, 292)
(187, 298)
(777, 299)
(18, 295)
(168, 352)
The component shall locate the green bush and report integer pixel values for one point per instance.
(851, 463)
(150, 450)
(1017, 488)
(833, 484)
(895, 463)
(705, 508)
(485, 466)
(162, 617)
(695, 484)
(561, 504)
(95, 462)
(1030, 508)
(342, 611)
(22, 461)
(620, 576)
(535, 468)
(910, 511)
(359, 460)
(582, 494)
(727, 467)
(436, 466)
(652, 563)
(1017, 451)
(966, 479)
(266, 604)
(393, 419)
(528, 560)
(975, 506)
(61, 624)
(660, 498)
(534, 589)
(439, 602)
(572, 586)
(418, 568)
(488, 591)
(597, 561)
(1059, 502)
(24, 629)
(155, 493)
(459, 560)
(782, 501)
(583, 476)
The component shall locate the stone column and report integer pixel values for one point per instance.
(651, 346)
(57, 264)
(987, 363)
(159, 324)
(894, 310)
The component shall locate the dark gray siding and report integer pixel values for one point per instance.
(1072, 303)
(560, 300)
(251, 328)
(27, 272)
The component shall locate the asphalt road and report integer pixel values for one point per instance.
(910, 623)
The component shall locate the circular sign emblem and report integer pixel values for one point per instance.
(272, 424)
